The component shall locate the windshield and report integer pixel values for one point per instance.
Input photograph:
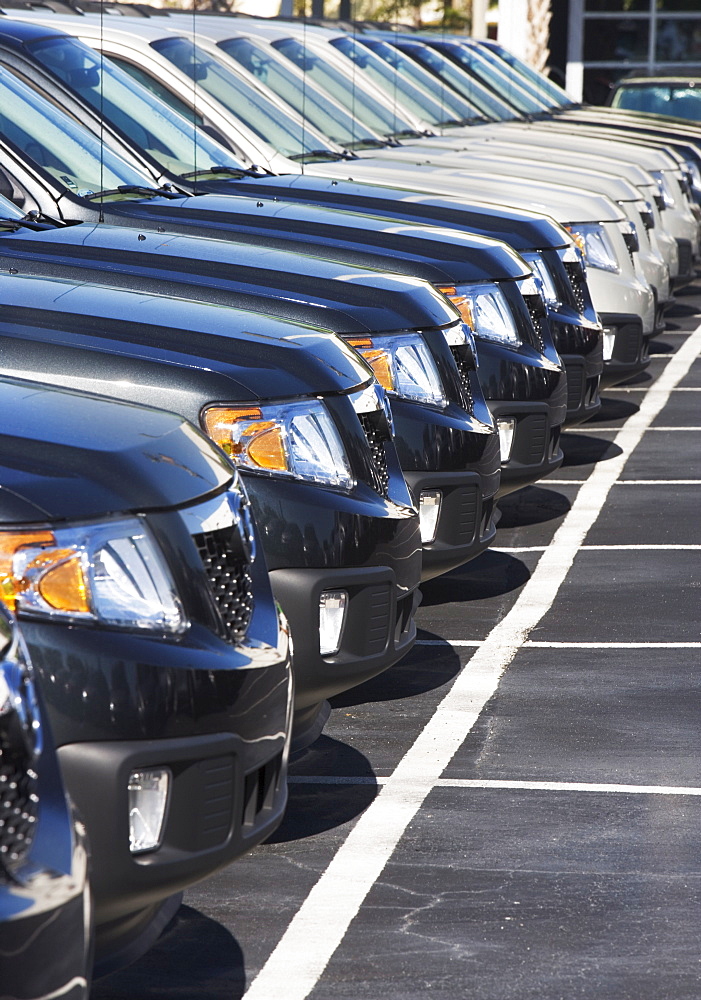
(486, 102)
(548, 90)
(506, 88)
(8, 210)
(273, 71)
(391, 70)
(680, 100)
(151, 125)
(337, 85)
(58, 144)
(261, 115)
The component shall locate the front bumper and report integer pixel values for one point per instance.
(219, 807)
(630, 349)
(687, 272)
(581, 352)
(119, 702)
(378, 630)
(465, 527)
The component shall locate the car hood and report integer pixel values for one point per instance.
(439, 255)
(521, 229)
(67, 455)
(164, 347)
(297, 287)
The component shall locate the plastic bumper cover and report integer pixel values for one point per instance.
(465, 527)
(217, 810)
(378, 630)
(630, 349)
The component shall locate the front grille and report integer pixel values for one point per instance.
(229, 579)
(685, 257)
(535, 310)
(575, 384)
(259, 790)
(376, 439)
(378, 624)
(19, 802)
(464, 370)
(628, 345)
(576, 284)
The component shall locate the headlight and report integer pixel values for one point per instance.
(542, 275)
(297, 440)
(663, 185)
(112, 573)
(592, 239)
(485, 310)
(630, 236)
(647, 216)
(403, 365)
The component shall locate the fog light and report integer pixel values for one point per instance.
(506, 427)
(429, 512)
(609, 341)
(332, 615)
(148, 798)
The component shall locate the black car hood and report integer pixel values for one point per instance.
(521, 229)
(220, 353)
(439, 255)
(295, 287)
(66, 455)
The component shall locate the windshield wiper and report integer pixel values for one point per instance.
(369, 144)
(407, 133)
(137, 189)
(256, 171)
(320, 154)
(35, 221)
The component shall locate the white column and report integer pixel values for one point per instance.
(479, 18)
(513, 26)
(574, 73)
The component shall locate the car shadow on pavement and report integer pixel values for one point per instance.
(318, 807)
(611, 409)
(195, 957)
(490, 575)
(413, 675)
(531, 505)
(580, 449)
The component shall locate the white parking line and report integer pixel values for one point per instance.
(659, 482)
(646, 388)
(516, 549)
(500, 783)
(315, 932)
(533, 643)
(612, 430)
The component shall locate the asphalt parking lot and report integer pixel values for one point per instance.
(515, 810)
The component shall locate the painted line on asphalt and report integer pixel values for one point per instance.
(509, 550)
(612, 430)
(505, 783)
(570, 786)
(659, 482)
(537, 644)
(646, 388)
(298, 961)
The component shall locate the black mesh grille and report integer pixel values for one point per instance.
(376, 439)
(535, 310)
(464, 370)
(229, 579)
(575, 386)
(18, 798)
(576, 284)
(685, 257)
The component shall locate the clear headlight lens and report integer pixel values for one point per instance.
(485, 310)
(647, 216)
(403, 365)
(298, 440)
(112, 573)
(593, 241)
(663, 185)
(543, 277)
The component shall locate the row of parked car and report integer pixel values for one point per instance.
(285, 311)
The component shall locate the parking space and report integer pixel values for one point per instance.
(513, 810)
